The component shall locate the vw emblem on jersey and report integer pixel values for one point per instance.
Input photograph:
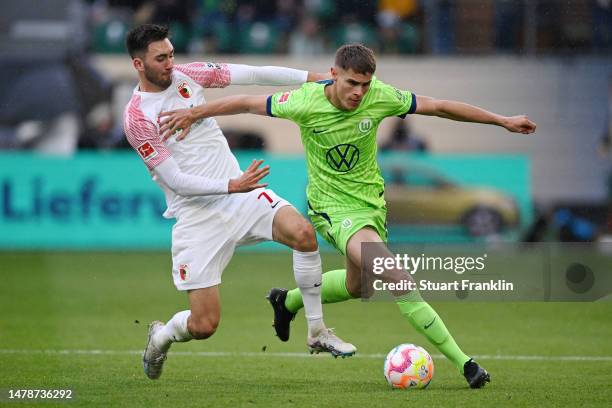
(347, 223)
(343, 157)
(184, 90)
(365, 125)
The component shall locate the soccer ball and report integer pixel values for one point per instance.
(408, 366)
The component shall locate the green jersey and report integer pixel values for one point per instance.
(340, 146)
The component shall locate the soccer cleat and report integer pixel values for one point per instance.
(475, 375)
(282, 316)
(326, 341)
(153, 359)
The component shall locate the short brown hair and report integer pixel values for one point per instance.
(138, 39)
(357, 57)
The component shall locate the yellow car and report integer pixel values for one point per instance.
(420, 195)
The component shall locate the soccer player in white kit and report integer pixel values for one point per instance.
(217, 207)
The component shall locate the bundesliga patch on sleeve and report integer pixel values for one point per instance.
(284, 97)
(147, 151)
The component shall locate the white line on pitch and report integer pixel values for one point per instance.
(288, 355)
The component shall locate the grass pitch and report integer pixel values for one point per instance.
(79, 321)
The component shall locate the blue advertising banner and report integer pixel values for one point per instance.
(92, 200)
(106, 200)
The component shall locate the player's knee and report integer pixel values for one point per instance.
(203, 328)
(305, 238)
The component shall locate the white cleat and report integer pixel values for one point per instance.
(153, 359)
(326, 341)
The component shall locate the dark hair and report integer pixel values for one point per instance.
(357, 57)
(137, 40)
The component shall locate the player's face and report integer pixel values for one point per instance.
(350, 87)
(158, 63)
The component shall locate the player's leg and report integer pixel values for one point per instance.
(202, 246)
(334, 283)
(333, 290)
(341, 284)
(353, 259)
(200, 322)
(292, 229)
(419, 313)
(205, 305)
(287, 303)
(338, 285)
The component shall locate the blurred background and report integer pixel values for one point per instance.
(68, 179)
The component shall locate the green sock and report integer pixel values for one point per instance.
(427, 322)
(333, 289)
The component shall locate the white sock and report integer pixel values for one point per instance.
(307, 272)
(175, 331)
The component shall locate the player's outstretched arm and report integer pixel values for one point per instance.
(189, 185)
(468, 113)
(272, 75)
(182, 119)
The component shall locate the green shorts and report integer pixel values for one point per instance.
(338, 227)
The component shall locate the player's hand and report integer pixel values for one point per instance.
(519, 124)
(249, 180)
(176, 120)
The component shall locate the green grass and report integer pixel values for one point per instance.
(103, 301)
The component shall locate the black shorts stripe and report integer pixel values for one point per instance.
(322, 214)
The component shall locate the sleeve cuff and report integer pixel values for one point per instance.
(269, 106)
(413, 107)
(216, 186)
(224, 186)
(304, 77)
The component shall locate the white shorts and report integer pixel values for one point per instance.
(204, 239)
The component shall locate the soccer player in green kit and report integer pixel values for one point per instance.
(338, 120)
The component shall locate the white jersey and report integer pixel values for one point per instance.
(204, 153)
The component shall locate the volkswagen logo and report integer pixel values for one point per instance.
(343, 157)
